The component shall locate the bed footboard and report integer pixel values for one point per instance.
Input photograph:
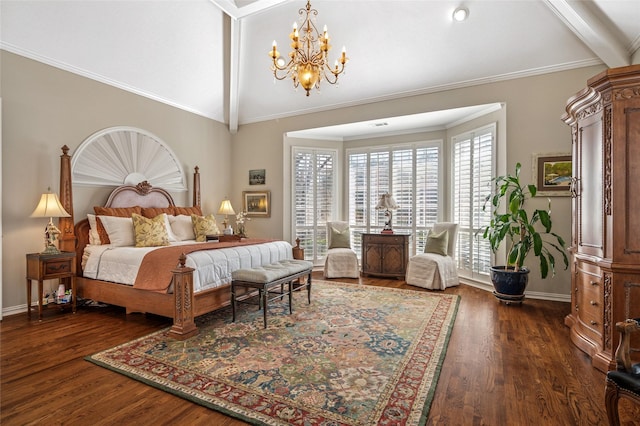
(184, 325)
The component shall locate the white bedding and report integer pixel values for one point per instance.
(212, 267)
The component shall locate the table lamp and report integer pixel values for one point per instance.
(387, 203)
(226, 210)
(50, 206)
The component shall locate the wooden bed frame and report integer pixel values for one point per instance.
(182, 305)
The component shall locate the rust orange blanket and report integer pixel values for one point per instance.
(155, 271)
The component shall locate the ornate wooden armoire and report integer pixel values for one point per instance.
(605, 241)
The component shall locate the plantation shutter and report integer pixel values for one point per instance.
(410, 173)
(402, 189)
(427, 193)
(314, 195)
(473, 169)
(378, 184)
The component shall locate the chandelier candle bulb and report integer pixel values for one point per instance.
(308, 62)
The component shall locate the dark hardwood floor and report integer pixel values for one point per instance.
(505, 365)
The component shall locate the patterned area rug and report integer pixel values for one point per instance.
(357, 355)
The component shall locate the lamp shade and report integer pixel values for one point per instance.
(226, 208)
(50, 206)
(386, 202)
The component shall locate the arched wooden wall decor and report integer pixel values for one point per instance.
(126, 155)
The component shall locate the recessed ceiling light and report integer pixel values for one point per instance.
(460, 14)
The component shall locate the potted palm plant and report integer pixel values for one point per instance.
(524, 233)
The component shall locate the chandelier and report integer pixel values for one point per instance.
(308, 63)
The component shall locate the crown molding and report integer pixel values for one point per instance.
(433, 89)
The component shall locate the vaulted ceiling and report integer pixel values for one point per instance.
(210, 57)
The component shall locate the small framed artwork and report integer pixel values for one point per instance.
(257, 177)
(553, 174)
(257, 203)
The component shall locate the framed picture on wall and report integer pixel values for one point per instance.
(553, 174)
(257, 203)
(257, 177)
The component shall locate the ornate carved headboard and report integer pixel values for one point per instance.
(142, 194)
(76, 237)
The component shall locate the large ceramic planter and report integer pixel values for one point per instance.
(508, 284)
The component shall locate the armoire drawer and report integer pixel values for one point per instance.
(589, 299)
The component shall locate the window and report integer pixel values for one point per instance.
(314, 198)
(410, 173)
(473, 168)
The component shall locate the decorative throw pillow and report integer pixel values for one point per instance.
(94, 237)
(103, 235)
(437, 243)
(119, 230)
(188, 211)
(150, 232)
(339, 238)
(203, 226)
(151, 212)
(117, 211)
(112, 211)
(182, 227)
(167, 224)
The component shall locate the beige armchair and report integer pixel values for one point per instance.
(341, 260)
(436, 269)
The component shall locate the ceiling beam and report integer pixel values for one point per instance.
(229, 7)
(591, 31)
(234, 75)
(235, 13)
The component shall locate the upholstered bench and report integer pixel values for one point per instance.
(265, 278)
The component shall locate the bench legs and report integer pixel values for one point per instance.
(263, 292)
(264, 306)
(290, 297)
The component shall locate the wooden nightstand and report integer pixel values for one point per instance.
(385, 255)
(48, 267)
(229, 238)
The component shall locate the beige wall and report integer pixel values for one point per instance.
(533, 109)
(45, 108)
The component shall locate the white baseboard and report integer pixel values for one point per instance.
(13, 310)
(555, 297)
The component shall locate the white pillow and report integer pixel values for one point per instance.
(120, 230)
(167, 224)
(182, 227)
(94, 237)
